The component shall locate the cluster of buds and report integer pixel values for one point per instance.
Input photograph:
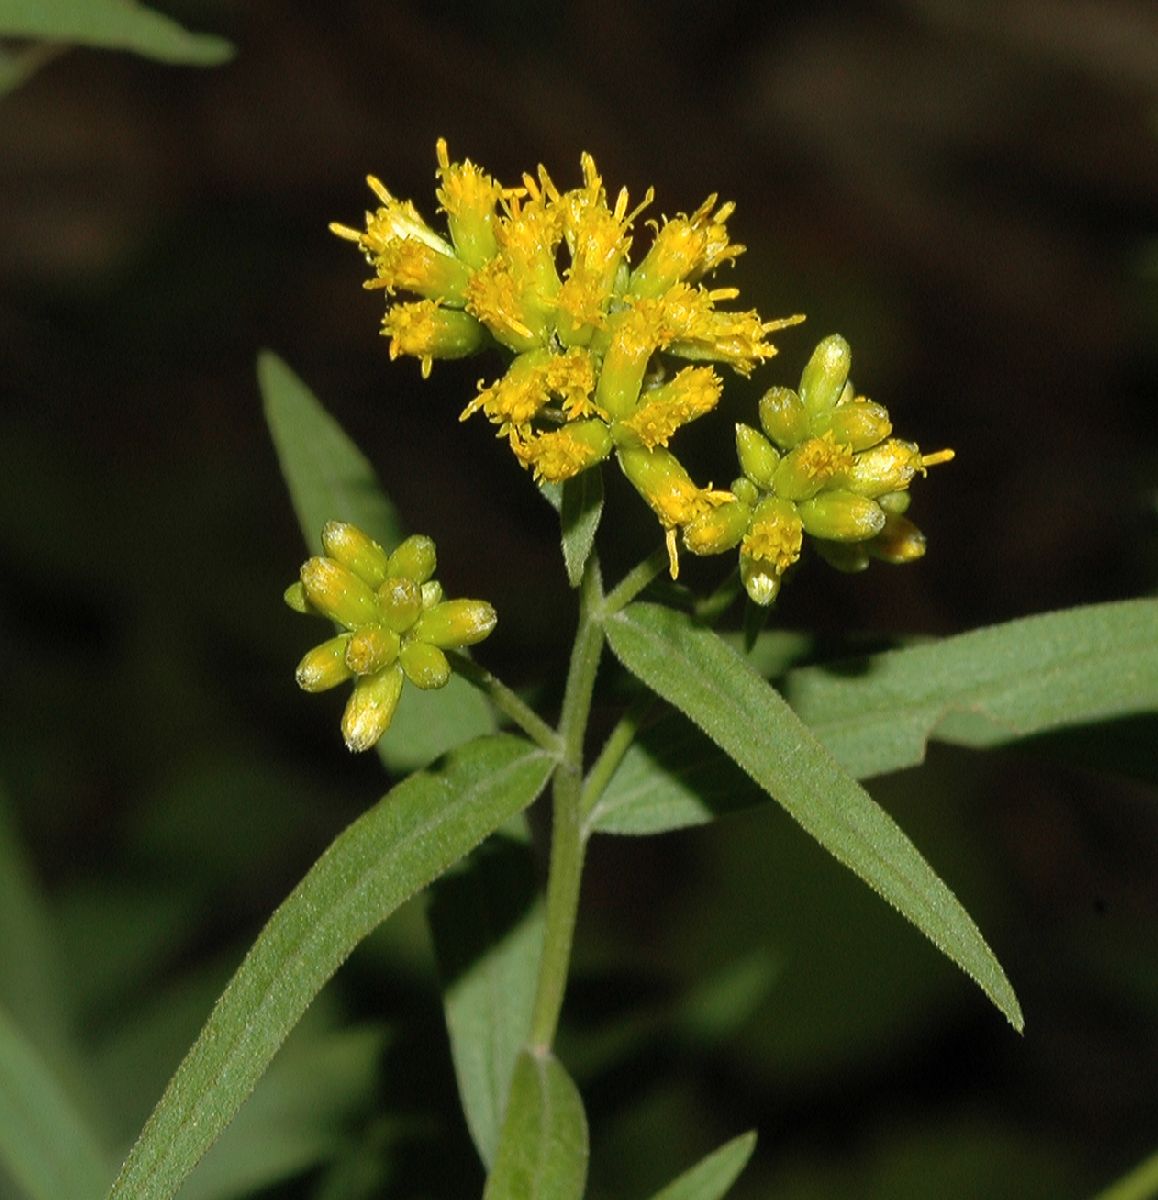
(396, 625)
(824, 465)
(591, 371)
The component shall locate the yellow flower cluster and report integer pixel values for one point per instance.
(396, 625)
(824, 464)
(590, 340)
(546, 275)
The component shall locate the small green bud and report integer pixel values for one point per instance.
(761, 584)
(371, 648)
(744, 489)
(324, 666)
(849, 557)
(295, 597)
(860, 424)
(889, 467)
(825, 375)
(425, 665)
(336, 592)
(758, 459)
(351, 547)
(783, 417)
(718, 529)
(896, 503)
(401, 602)
(455, 623)
(841, 516)
(899, 542)
(414, 559)
(370, 708)
(432, 594)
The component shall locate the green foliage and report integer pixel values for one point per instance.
(694, 670)
(409, 838)
(112, 25)
(542, 1152)
(711, 1178)
(44, 1141)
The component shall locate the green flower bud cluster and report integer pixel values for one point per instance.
(822, 464)
(396, 625)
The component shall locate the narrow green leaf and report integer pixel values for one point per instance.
(112, 25)
(542, 1152)
(711, 1178)
(29, 977)
(44, 1142)
(983, 688)
(487, 923)
(296, 1118)
(582, 508)
(694, 670)
(391, 852)
(329, 479)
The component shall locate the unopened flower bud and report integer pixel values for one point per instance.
(295, 597)
(371, 648)
(370, 708)
(414, 559)
(849, 557)
(425, 665)
(718, 529)
(783, 417)
(825, 375)
(338, 593)
(456, 623)
(896, 503)
(744, 489)
(347, 544)
(860, 424)
(758, 458)
(432, 594)
(324, 666)
(889, 467)
(761, 584)
(841, 516)
(900, 541)
(401, 602)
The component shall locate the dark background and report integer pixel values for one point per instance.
(965, 190)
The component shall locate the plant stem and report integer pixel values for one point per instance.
(617, 745)
(566, 866)
(626, 590)
(508, 703)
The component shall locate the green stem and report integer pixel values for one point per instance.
(626, 590)
(617, 745)
(566, 866)
(509, 703)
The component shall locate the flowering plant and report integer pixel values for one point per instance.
(604, 359)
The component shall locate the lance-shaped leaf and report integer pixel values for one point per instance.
(45, 1145)
(582, 507)
(487, 922)
(391, 852)
(711, 1178)
(329, 479)
(709, 682)
(542, 1152)
(113, 25)
(985, 687)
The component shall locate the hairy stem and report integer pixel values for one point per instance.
(566, 866)
(507, 702)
